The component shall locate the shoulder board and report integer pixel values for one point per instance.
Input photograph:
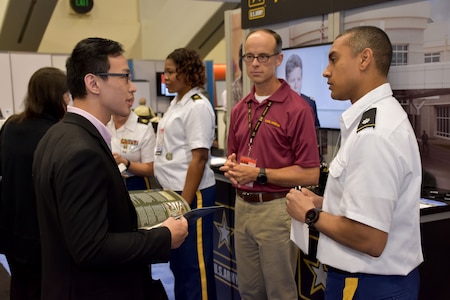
(196, 97)
(367, 119)
(144, 121)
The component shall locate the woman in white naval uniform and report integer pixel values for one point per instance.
(132, 144)
(182, 158)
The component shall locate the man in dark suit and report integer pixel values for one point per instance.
(91, 246)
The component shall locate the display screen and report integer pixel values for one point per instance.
(311, 83)
(161, 89)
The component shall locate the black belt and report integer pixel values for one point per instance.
(260, 197)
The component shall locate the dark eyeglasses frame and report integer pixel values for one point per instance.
(123, 75)
(262, 58)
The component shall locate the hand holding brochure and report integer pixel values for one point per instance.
(196, 213)
(154, 207)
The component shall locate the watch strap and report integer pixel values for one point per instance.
(262, 176)
(262, 171)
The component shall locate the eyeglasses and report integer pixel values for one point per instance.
(123, 75)
(262, 58)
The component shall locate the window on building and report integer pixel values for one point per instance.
(443, 121)
(399, 55)
(432, 57)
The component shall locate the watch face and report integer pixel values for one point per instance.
(262, 179)
(312, 215)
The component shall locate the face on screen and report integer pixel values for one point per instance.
(302, 69)
(294, 78)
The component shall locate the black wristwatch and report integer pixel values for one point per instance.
(312, 216)
(262, 177)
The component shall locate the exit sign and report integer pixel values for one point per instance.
(82, 6)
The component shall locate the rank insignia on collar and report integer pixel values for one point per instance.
(196, 97)
(367, 119)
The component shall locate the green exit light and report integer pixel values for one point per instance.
(82, 6)
(82, 3)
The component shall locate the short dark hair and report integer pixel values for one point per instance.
(45, 94)
(372, 37)
(189, 63)
(240, 57)
(276, 36)
(89, 56)
(294, 61)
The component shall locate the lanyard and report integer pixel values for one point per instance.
(255, 129)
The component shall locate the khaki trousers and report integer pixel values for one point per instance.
(266, 257)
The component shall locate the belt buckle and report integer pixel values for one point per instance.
(251, 195)
(260, 196)
(245, 195)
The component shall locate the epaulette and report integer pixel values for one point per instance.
(367, 119)
(196, 97)
(144, 121)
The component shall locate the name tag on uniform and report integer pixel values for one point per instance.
(159, 142)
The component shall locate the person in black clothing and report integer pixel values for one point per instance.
(45, 104)
(91, 245)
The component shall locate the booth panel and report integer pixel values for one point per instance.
(224, 255)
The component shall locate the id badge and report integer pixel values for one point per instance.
(248, 162)
(159, 142)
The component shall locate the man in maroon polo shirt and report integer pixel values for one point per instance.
(272, 147)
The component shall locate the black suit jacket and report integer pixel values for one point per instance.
(19, 233)
(91, 247)
(313, 105)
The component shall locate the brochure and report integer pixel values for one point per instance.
(153, 207)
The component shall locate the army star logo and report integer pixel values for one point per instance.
(319, 275)
(225, 232)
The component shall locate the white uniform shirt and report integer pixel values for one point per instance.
(134, 141)
(188, 124)
(375, 179)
